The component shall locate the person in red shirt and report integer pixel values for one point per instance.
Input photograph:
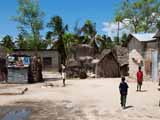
(139, 79)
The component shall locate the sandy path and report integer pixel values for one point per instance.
(96, 99)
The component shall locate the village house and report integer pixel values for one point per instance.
(113, 63)
(107, 67)
(107, 64)
(143, 51)
(49, 58)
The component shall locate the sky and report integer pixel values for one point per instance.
(100, 12)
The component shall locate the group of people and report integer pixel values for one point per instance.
(3, 70)
(35, 70)
(123, 87)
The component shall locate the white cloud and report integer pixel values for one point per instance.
(110, 28)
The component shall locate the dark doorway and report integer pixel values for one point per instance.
(47, 62)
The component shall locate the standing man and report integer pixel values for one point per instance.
(139, 79)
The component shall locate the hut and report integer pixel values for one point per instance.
(143, 51)
(81, 50)
(73, 68)
(107, 67)
(121, 55)
(79, 61)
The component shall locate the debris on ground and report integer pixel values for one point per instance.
(18, 91)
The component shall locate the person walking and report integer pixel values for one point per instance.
(123, 88)
(63, 74)
(139, 79)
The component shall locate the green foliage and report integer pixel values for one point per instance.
(56, 24)
(89, 29)
(8, 43)
(58, 29)
(141, 14)
(21, 42)
(69, 40)
(30, 19)
(89, 33)
(116, 40)
(158, 25)
(124, 40)
(41, 44)
(108, 42)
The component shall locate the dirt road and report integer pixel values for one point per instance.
(92, 99)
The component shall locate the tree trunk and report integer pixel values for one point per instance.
(118, 32)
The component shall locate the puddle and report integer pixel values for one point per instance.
(18, 114)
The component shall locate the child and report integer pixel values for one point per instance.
(123, 88)
(139, 79)
(63, 74)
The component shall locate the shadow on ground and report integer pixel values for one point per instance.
(128, 107)
(63, 110)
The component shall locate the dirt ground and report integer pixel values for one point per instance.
(91, 99)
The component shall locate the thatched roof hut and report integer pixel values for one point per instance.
(113, 62)
(82, 50)
(79, 59)
(107, 66)
(157, 35)
(122, 56)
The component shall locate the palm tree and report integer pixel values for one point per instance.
(58, 30)
(104, 42)
(118, 19)
(89, 32)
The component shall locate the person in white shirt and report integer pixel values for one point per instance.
(63, 74)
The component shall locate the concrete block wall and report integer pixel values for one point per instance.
(134, 60)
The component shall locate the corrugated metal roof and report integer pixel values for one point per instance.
(144, 37)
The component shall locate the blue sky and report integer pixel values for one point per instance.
(98, 11)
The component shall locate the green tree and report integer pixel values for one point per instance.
(58, 30)
(30, 19)
(78, 37)
(108, 42)
(124, 40)
(69, 40)
(89, 32)
(158, 25)
(43, 44)
(116, 40)
(141, 15)
(21, 42)
(8, 43)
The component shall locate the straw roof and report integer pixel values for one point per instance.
(157, 35)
